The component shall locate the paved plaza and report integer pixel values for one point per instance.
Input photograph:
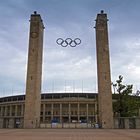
(69, 134)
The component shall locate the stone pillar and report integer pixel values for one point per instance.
(52, 112)
(1, 110)
(139, 112)
(6, 122)
(5, 113)
(11, 123)
(126, 122)
(137, 123)
(116, 123)
(96, 112)
(34, 73)
(22, 110)
(44, 112)
(60, 113)
(78, 112)
(103, 71)
(10, 110)
(69, 113)
(1, 123)
(4, 110)
(21, 123)
(87, 112)
(16, 110)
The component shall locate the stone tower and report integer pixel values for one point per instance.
(34, 73)
(103, 70)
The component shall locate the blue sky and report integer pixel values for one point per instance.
(68, 69)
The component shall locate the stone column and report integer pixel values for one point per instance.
(34, 73)
(69, 113)
(11, 123)
(126, 122)
(78, 112)
(21, 123)
(60, 113)
(22, 110)
(1, 123)
(16, 110)
(116, 123)
(87, 112)
(137, 123)
(96, 111)
(103, 71)
(1, 110)
(44, 112)
(10, 110)
(5, 111)
(52, 112)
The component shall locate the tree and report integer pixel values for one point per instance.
(126, 104)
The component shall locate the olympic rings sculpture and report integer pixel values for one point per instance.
(68, 41)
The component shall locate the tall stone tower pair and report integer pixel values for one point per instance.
(34, 73)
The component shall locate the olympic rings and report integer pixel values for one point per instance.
(68, 41)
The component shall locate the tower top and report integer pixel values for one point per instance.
(35, 12)
(101, 15)
(36, 17)
(102, 11)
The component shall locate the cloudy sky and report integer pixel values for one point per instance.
(68, 69)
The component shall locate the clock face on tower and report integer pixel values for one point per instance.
(34, 34)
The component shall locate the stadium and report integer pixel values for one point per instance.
(58, 110)
(55, 108)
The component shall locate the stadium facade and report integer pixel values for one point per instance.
(55, 108)
(59, 110)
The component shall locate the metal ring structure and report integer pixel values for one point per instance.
(68, 42)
